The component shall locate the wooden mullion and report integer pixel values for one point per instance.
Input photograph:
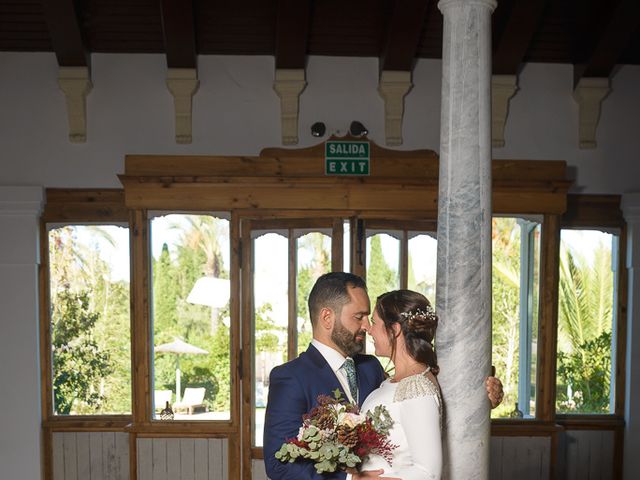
(235, 317)
(523, 428)
(404, 260)
(393, 223)
(47, 454)
(297, 223)
(589, 422)
(140, 317)
(46, 370)
(292, 321)
(247, 348)
(593, 211)
(621, 326)
(403, 218)
(133, 456)
(140, 328)
(180, 428)
(88, 422)
(234, 450)
(85, 205)
(621, 354)
(548, 323)
(358, 267)
(337, 245)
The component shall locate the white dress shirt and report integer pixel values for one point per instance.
(335, 360)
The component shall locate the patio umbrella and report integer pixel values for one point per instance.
(178, 347)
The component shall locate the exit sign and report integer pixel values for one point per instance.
(346, 158)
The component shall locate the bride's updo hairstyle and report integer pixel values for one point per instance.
(417, 320)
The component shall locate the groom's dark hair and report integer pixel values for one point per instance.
(331, 291)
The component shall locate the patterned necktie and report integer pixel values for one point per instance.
(350, 369)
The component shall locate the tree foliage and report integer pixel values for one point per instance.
(90, 324)
(381, 277)
(587, 370)
(197, 252)
(584, 331)
(317, 247)
(506, 308)
(79, 365)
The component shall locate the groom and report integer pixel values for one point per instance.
(339, 309)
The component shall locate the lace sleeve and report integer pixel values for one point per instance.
(417, 386)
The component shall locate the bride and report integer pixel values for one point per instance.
(403, 326)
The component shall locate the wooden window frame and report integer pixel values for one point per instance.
(603, 212)
(280, 184)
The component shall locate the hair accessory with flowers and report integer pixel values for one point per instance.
(336, 436)
(427, 313)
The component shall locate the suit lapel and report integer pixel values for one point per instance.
(327, 381)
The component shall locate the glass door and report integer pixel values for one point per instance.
(281, 260)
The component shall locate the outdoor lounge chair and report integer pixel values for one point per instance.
(192, 401)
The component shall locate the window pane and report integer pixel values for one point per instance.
(383, 264)
(271, 309)
(421, 276)
(516, 260)
(383, 275)
(190, 315)
(314, 259)
(90, 321)
(586, 307)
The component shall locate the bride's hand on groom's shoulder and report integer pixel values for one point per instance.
(370, 474)
(494, 390)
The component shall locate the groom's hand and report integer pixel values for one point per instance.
(494, 389)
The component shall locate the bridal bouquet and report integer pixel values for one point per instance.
(336, 436)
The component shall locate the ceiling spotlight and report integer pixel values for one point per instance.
(357, 129)
(318, 129)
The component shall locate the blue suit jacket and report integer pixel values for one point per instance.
(293, 391)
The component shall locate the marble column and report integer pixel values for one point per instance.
(464, 236)
(19, 355)
(631, 210)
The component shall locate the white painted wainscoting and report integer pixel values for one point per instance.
(588, 454)
(90, 456)
(521, 458)
(182, 459)
(582, 455)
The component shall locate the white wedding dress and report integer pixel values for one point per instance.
(415, 406)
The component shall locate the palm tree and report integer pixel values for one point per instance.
(584, 329)
(585, 296)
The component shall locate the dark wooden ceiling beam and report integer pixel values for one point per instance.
(403, 35)
(292, 33)
(514, 29)
(178, 29)
(615, 35)
(66, 33)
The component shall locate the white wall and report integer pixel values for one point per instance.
(19, 357)
(236, 111)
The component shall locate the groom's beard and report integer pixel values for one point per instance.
(350, 343)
